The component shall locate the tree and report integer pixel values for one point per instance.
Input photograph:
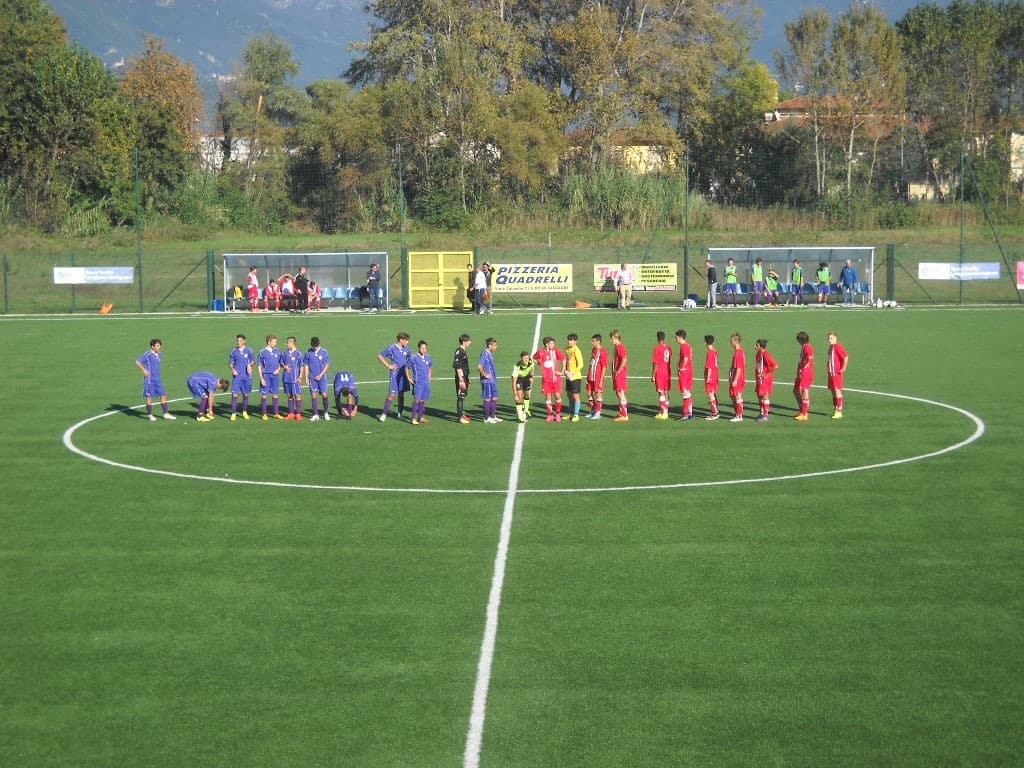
(866, 76)
(167, 106)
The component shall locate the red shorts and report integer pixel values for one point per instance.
(551, 387)
(686, 382)
(764, 386)
(736, 393)
(620, 382)
(710, 387)
(662, 383)
(595, 387)
(804, 379)
(835, 381)
(254, 292)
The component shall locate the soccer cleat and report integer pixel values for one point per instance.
(245, 415)
(550, 417)
(203, 418)
(661, 417)
(414, 422)
(327, 416)
(711, 417)
(621, 418)
(558, 417)
(801, 417)
(522, 419)
(382, 418)
(574, 417)
(290, 417)
(837, 415)
(762, 418)
(686, 417)
(170, 416)
(315, 417)
(298, 417)
(151, 417)
(736, 419)
(279, 416)
(496, 420)
(264, 417)
(424, 420)
(465, 420)
(234, 416)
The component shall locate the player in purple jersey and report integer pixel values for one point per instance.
(269, 362)
(152, 383)
(240, 361)
(315, 365)
(489, 381)
(204, 385)
(421, 367)
(291, 361)
(396, 359)
(346, 394)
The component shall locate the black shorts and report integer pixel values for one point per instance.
(524, 385)
(572, 386)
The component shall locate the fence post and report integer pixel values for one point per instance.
(211, 280)
(7, 268)
(890, 271)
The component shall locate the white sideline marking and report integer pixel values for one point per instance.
(478, 712)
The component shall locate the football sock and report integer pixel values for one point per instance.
(316, 405)
(558, 407)
(688, 406)
(576, 407)
(714, 406)
(164, 406)
(839, 404)
(263, 406)
(203, 405)
(622, 408)
(526, 404)
(805, 406)
(387, 405)
(149, 408)
(277, 407)
(551, 410)
(234, 403)
(739, 408)
(245, 402)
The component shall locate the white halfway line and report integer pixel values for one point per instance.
(478, 712)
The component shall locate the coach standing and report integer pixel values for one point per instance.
(624, 285)
(302, 289)
(712, 285)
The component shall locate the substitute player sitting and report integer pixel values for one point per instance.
(346, 394)
(272, 296)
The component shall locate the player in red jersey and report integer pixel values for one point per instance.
(804, 376)
(836, 367)
(552, 365)
(620, 374)
(315, 295)
(252, 286)
(272, 295)
(711, 377)
(737, 376)
(764, 377)
(684, 372)
(661, 374)
(595, 376)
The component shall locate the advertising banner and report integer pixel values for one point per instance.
(531, 278)
(649, 277)
(983, 270)
(93, 275)
(1020, 275)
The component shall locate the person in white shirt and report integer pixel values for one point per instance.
(624, 286)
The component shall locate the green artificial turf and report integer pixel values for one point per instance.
(312, 613)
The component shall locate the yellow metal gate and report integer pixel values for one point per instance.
(438, 279)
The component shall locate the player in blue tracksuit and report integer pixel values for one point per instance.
(421, 368)
(346, 394)
(240, 361)
(315, 364)
(204, 385)
(152, 382)
(396, 359)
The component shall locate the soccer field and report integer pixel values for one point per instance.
(656, 593)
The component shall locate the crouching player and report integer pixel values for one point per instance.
(522, 384)
(764, 377)
(203, 385)
(346, 394)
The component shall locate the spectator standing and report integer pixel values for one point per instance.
(624, 279)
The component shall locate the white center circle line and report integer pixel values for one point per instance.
(979, 430)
